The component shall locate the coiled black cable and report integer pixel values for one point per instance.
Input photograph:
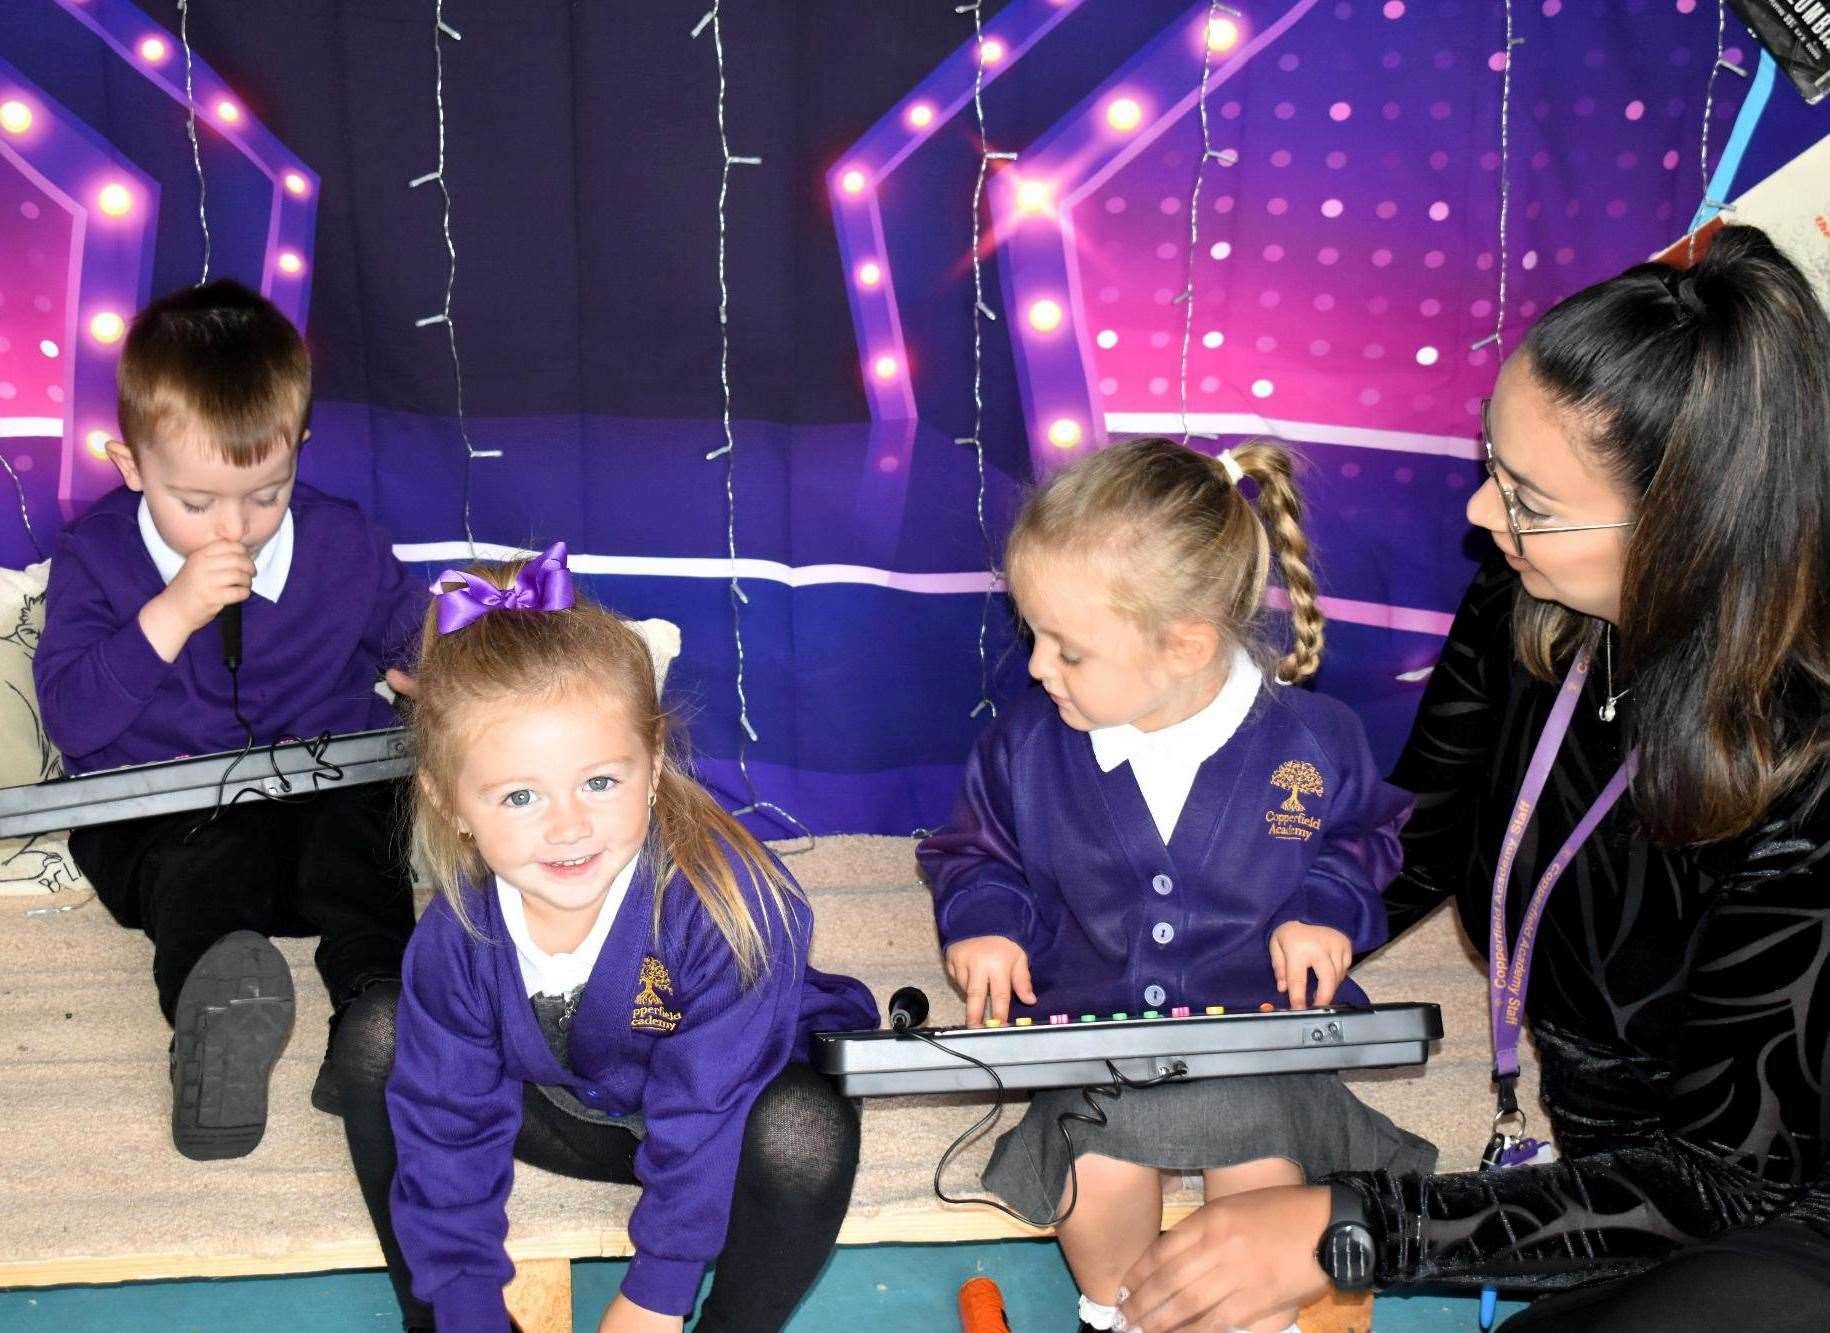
(1095, 1115)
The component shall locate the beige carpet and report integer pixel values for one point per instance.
(94, 1191)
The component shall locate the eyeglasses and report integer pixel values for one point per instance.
(1519, 529)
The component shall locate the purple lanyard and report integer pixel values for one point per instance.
(1506, 980)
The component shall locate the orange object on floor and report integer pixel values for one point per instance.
(981, 1307)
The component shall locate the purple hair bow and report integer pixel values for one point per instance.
(544, 584)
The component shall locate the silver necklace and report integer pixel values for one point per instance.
(1606, 711)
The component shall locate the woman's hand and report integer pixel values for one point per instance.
(1231, 1262)
(625, 1316)
(989, 967)
(1297, 949)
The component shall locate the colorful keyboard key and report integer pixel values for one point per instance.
(1024, 1022)
(1089, 1018)
(1055, 1020)
(1180, 1011)
(1214, 1010)
(1120, 1016)
(1151, 1013)
(1266, 1007)
(991, 1022)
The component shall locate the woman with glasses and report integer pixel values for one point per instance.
(1620, 766)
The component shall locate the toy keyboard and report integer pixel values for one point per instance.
(1066, 1051)
(289, 768)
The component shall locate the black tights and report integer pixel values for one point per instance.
(1770, 1279)
(794, 1177)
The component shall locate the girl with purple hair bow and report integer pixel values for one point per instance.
(612, 984)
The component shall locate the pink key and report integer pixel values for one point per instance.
(1055, 1019)
(1180, 1011)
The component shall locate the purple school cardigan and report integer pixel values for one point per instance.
(663, 1027)
(1288, 821)
(309, 663)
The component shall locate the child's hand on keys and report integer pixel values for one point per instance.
(989, 967)
(1297, 949)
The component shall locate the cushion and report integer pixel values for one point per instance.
(40, 863)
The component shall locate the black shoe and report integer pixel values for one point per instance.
(233, 1017)
(326, 1096)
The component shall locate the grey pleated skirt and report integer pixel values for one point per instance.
(1312, 1120)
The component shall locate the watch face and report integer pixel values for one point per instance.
(1346, 1255)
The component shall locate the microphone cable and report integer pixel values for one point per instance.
(1095, 1115)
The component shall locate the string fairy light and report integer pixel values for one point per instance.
(1496, 339)
(980, 312)
(190, 102)
(24, 517)
(440, 31)
(1720, 63)
(713, 21)
(1186, 297)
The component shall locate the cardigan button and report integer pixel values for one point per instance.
(1162, 932)
(1162, 884)
(1154, 995)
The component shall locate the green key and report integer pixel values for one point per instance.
(1089, 1018)
(1120, 1017)
(1151, 1013)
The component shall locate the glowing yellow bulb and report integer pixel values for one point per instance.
(97, 442)
(1222, 34)
(107, 327)
(1124, 115)
(991, 50)
(153, 50)
(1064, 433)
(1033, 196)
(921, 115)
(15, 117)
(869, 274)
(227, 112)
(852, 181)
(1045, 316)
(884, 367)
(114, 199)
(290, 262)
(295, 183)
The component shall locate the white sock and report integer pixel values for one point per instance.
(1095, 1315)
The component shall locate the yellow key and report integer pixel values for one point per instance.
(1024, 1022)
(1215, 1010)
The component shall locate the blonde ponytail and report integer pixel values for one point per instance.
(1280, 509)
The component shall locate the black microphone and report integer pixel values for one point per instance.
(228, 621)
(908, 1008)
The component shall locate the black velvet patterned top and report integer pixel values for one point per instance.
(1680, 1001)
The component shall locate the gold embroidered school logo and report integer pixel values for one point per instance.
(1291, 820)
(651, 1010)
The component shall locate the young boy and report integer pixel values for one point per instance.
(214, 385)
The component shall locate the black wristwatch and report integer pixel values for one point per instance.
(1346, 1252)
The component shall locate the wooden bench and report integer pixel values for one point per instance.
(97, 1195)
